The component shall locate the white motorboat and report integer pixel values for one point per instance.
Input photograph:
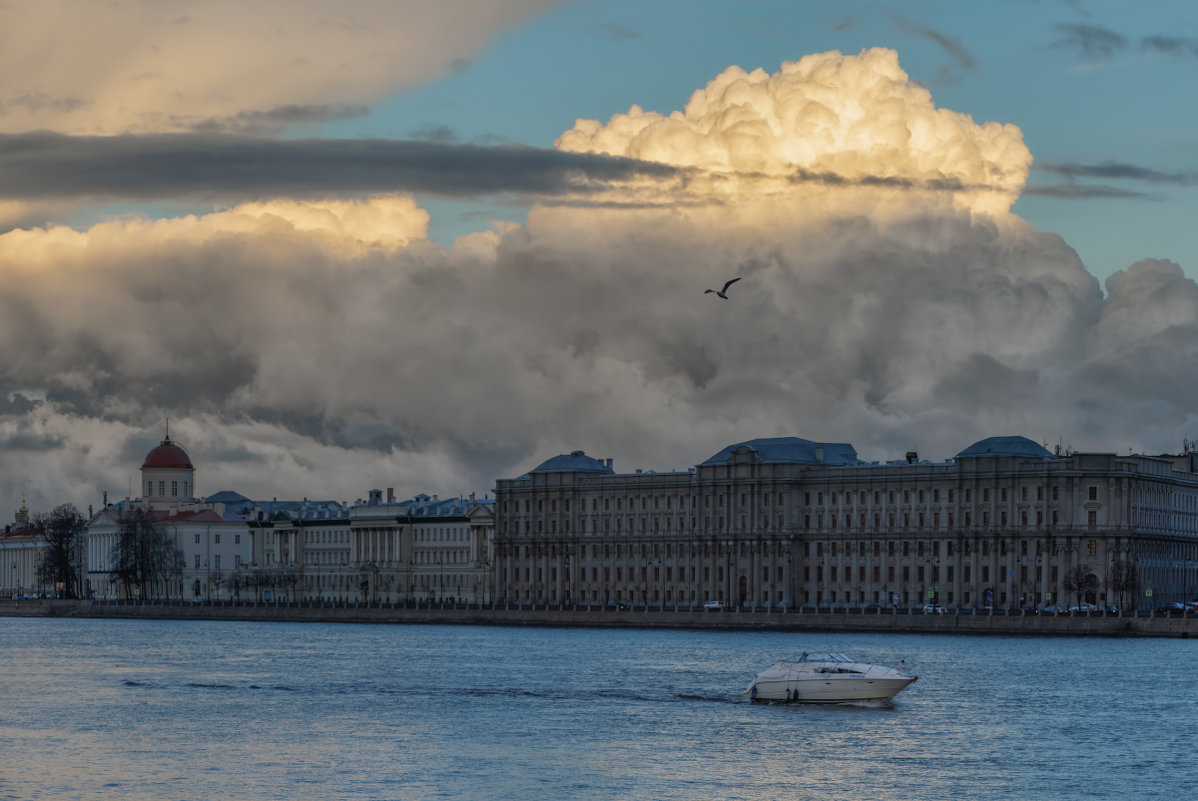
(827, 678)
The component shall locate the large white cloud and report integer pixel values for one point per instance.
(831, 118)
(323, 349)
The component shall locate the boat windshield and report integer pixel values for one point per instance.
(824, 656)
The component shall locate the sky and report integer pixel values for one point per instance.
(356, 245)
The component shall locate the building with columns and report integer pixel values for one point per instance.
(19, 554)
(383, 550)
(236, 548)
(786, 522)
(213, 542)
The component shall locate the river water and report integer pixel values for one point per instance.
(99, 709)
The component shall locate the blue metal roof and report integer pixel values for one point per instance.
(575, 462)
(1006, 446)
(792, 449)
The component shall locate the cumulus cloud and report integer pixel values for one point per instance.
(858, 118)
(144, 65)
(322, 348)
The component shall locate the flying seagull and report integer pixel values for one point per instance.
(721, 292)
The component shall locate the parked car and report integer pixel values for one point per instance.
(933, 609)
(714, 605)
(1029, 610)
(616, 605)
(1055, 610)
(1084, 608)
(1171, 608)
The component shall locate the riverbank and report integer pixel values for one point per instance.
(886, 621)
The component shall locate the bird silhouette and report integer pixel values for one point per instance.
(720, 293)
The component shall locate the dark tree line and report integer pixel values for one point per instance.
(59, 564)
(146, 562)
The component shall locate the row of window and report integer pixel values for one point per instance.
(216, 538)
(162, 489)
(835, 498)
(216, 562)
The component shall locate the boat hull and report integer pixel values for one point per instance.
(829, 690)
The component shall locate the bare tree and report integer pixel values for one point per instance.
(144, 557)
(58, 564)
(1079, 581)
(1124, 578)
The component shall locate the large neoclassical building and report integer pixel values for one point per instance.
(790, 522)
(379, 550)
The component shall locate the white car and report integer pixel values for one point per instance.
(933, 609)
(714, 605)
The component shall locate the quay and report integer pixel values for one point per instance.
(884, 620)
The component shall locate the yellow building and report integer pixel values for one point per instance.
(787, 522)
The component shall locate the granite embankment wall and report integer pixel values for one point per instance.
(885, 621)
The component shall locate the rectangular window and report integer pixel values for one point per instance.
(174, 489)
(237, 539)
(149, 489)
(216, 561)
(162, 488)
(1093, 493)
(197, 558)
(217, 539)
(197, 538)
(236, 562)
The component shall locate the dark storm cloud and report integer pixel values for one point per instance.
(275, 119)
(801, 176)
(16, 404)
(1085, 192)
(45, 165)
(951, 45)
(1171, 45)
(1089, 41)
(31, 441)
(1119, 171)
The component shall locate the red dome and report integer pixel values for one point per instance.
(169, 455)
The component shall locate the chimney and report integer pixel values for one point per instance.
(912, 457)
(819, 452)
(390, 494)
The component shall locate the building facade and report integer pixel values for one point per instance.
(212, 542)
(787, 522)
(231, 547)
(20, 551)
(425, 549)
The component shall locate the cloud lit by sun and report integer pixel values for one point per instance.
(826, 121)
